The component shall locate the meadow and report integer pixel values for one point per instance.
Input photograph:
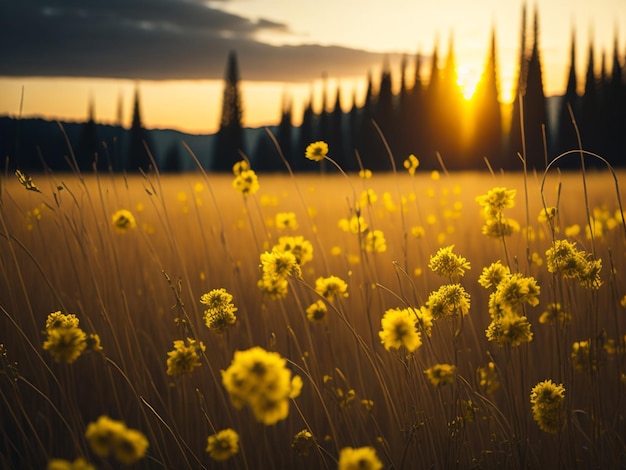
(407, 323)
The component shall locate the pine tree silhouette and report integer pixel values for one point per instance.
(515, 144)
(137, 157)
(590, 115)
(487, 118)
(566, 134)
(284, 134)
(87, 152)
(229, 138)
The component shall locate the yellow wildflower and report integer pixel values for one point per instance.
(493, 274)
(496, 200)
(65, 340)
(488, 378)
(78, 464)
(375, 242)
(362, 458)
(107, 436)
(448, 300)
(220, 312)
(411, 164)
(316, 312)
(301, 248)
(441, 374)
(399, 329)
(554, 313)
(365, 174)
(223, 445)
(509, 328)
(316, 151)
(286, 220)
(123, 220)
(184, 358)
(448, 264)
(547, 400)
(246, 182)
(331, 287)
(303, 442)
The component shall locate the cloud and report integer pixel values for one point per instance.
(156, 40)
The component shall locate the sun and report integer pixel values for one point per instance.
(468, 77)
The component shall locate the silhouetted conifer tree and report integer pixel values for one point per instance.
(566, 134)
(367, 136)
(590, 121)
(615, 110)
(487, 119)
(336, 141)
(384, 117)
(172, 162)
(515, 144)
(229, 138)
(306, 135)
(87, 152)
(138, 157)
(415, 128)
(284, 134)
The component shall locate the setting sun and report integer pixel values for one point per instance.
(468, 78)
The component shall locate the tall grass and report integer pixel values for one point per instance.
(140, 289)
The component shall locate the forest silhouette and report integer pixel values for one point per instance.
(428, 118)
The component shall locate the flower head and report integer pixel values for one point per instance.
(331, 287)
(107, 436)
(123, 220)
(448, 264)
(223, 444)
(493, 275)
(220, 312)
(316, 151)
(496, 200)
(375, 242)
(398, 328)
(553, 314)
(448, 300)
(301, 248)
(441, 374)
(61, 464)
(303, 442)
(509, 328)
(547, 400)
(286, 220)
(488, 377)
(65, 340)
(246, 182)
(316, 312)
(362, 458)
(184, 358)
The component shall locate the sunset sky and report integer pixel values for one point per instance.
(62, 53)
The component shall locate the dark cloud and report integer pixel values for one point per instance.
(157, 40)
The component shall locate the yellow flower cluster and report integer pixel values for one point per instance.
(493, 204)
(448, 264)
(547, 400)
(488, 377)
(223, 445)
(581, 356)
(123, 220)
(261, 380)
(283, 261)
(331, 287)
(399, 328)
(511, 291)
(361, 458)
(220, 312)
(563, 257)
(65, 340)
(441, 374)
(411, 164)
(246, 180)
(448, 300)
(375, 242)
(355, 225)
(554, 314)
(107, 436)
(184, 358)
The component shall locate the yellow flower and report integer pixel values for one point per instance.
(240, 166)
(316, 151)
(65, 343)
(448, 264)
(411, 164)
(276, 287)
(547, 214)
(399, 329)
(493, 275)
(448, 300)
(223, 445)
(498, 227)
(220, 313)
(581, 356)
(375, 242)
(61, 320)
(130, 446)
(302, 442)
(331, 287)
(301, 248)
(509, 328)
(123, 220)
(107, 436)
(441, 374)
(316, 312)
(286, 220)
(496, 200)
(184, 358)
(361, 458)
(555, 314)
(78, 464)
(261, 380)
(547, 400)
(368, 197)
(515, 289)
(353, 225)
(279, 263)
(246, 182)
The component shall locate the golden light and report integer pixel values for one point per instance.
(468, 77)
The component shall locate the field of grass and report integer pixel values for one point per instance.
(139, 288)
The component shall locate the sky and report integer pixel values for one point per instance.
(57, 56)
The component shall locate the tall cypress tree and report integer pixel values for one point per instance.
(229, 137)
(590, 124)
(87, 150)
(566, 135)
(487, 135)
(138, 157)
(515, 143)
